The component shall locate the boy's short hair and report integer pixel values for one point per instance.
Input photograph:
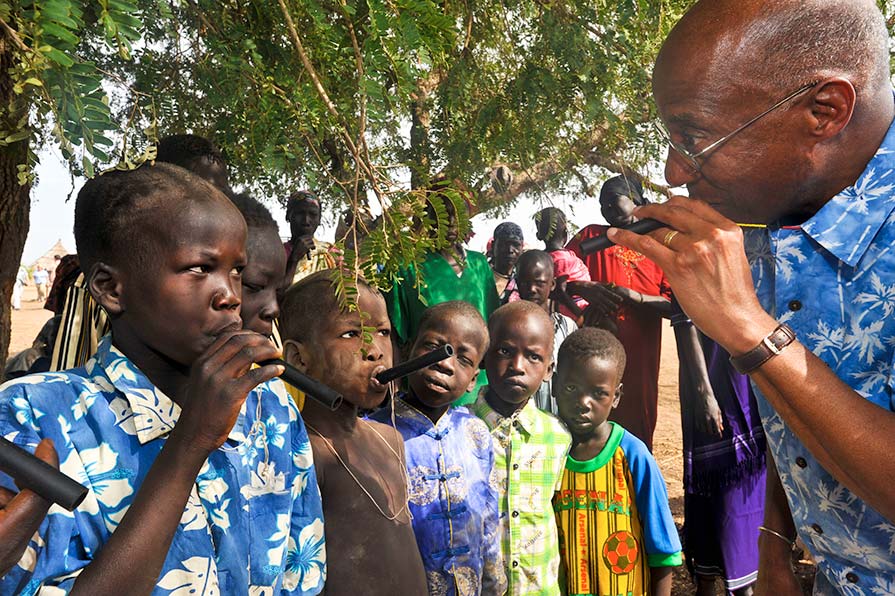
(535, 257)
(590, 342)
(450, 309)
(183, 150)
(110, 211)
(310, 301)
(253, 211)
(519, 308)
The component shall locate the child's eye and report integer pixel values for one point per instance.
(202, 269)
(254, 289)
(569, 388)
(465, 361)
(350, 334)
(238, 269)
(385, 332)
(535, 357)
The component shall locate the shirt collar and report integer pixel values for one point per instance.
(848, 223)
(154, 413)
(419, 422)
(524, 419)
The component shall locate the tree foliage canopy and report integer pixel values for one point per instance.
(365, 101)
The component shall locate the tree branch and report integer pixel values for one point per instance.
(533, 178)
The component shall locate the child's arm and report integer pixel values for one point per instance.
(661, 541)
(220, 380)
(21, 515)
(660, 581)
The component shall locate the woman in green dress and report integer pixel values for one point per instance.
(452, 273)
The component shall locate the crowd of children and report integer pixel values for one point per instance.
(207, 475)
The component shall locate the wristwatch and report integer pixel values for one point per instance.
(770, 346)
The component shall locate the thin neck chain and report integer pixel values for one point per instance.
(332, 448)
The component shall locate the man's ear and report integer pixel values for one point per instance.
(834, 104)
(618, 395)
(104, 284)
(296, 354)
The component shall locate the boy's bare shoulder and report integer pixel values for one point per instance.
(387, 432)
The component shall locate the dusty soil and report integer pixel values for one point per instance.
(666, 444)
(26, 323)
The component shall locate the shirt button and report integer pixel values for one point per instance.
(515, 514)
(852, 577)
(795, 305)
(817, 528)
(515, 466)
(801, 462)
(515, 563)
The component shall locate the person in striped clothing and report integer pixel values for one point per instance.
(616, 534)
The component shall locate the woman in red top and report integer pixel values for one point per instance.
(632, 290)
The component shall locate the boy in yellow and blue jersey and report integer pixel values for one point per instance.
(616, 534)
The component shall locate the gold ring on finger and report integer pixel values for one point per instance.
(669, 237)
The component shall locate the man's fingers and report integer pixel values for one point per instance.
(646, 245)
(686, 215)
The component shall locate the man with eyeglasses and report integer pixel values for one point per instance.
(780, 113)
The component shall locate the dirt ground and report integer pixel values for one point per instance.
(666, 443)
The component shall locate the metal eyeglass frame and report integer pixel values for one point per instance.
(692, 159)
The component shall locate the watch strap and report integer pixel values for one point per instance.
(767, 348)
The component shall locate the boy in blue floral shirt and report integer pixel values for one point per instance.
(450, 458)
(199, 467)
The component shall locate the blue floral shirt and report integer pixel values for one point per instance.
(454, 507)
(254, 520)
(833, 282)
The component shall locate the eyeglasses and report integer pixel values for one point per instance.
(693, 159)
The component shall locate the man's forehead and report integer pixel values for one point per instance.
(701, 65)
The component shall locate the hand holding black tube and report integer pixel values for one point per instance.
(415, 364)
(644, 226)
(40, 477)
(311, 387)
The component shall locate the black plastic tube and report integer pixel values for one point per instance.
(31, 472)
(644, 226)
(311, 387)
(415, 364)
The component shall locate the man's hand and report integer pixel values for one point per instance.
(706, 265)
(219, 382)
(22, 513)
(602, 300)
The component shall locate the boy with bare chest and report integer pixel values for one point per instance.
(360, 463)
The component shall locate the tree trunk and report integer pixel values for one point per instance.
(15, 200)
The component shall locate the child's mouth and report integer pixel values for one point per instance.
(436, 385)
(375, 385)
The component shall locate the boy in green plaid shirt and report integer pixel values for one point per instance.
(530, 446)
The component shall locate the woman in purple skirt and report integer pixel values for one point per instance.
(724, 465)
